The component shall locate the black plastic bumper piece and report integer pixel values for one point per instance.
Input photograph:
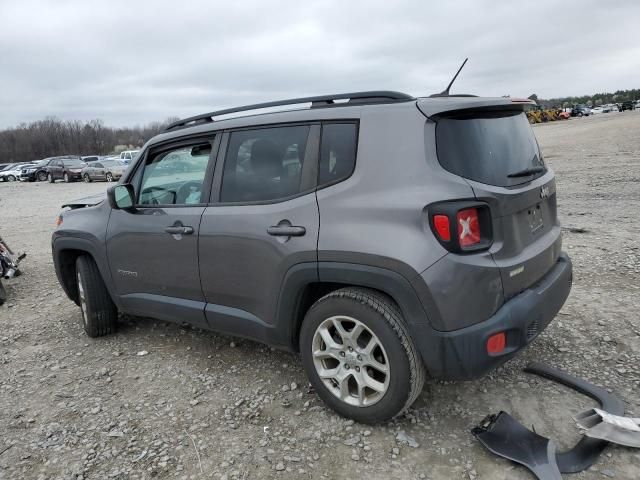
(504, 436)
(462, 354)
(587, 450)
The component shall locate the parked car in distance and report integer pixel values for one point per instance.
(68, 169)
(90, 158)
(597, 110)
(580, 110)
(128, 155)
(283, 227)
(626, 106)
(12, 173)
(28, 173)
(109, 170)
(7, 166)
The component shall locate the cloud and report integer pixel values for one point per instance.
(132, 62)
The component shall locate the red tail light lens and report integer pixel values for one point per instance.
(496, 343)
(442, 227)
(468, 227)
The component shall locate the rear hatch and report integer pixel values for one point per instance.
(494, 148)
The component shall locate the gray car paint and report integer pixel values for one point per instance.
(375, 219)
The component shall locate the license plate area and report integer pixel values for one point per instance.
(536, 222)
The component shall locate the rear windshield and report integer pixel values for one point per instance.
(487, 148)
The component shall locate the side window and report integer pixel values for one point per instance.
(337, 152)
(264, 164)
(127, 156)
(175, 177)
(96, 165)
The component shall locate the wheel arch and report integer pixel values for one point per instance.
(302, 287)
(66, 251)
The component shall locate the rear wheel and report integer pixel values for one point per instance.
(50, 178)
(11, 178)
(42, 176)
(3, 293)
(66, 178)
(86, 178)
(359, 356)
(99, 314)
(109, 177)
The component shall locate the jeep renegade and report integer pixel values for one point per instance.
(386, 238)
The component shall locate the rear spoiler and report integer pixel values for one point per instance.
(441, 106)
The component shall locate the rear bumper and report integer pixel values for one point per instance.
(461, 354)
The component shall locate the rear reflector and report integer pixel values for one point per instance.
(468, 227)
(496, 343)
(441, 225)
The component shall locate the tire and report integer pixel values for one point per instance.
(99, 314)
(42, 176)
(86, 178)
(11, 178)
(66, 178)
(50, 178)
(109, 177)
(3, 293)
(378, 320)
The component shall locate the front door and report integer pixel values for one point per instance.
(263, 220)
(153, 249)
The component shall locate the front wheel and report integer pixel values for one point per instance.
(109, 177)
(42, 176)
(66, 178)
(50, 178)
(359, 356)
(11, 178)
(99, 314)
(86, 178)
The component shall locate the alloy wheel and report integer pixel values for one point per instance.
(351, 361)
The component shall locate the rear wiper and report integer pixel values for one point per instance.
(526, 172)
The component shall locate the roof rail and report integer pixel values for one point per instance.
(381, 96)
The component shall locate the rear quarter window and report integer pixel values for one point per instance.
(337, 152)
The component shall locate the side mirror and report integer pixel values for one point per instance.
(121, 197)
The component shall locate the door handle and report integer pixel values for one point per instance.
(179, 230)
(286, 231)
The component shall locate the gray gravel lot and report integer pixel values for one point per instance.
(202, 405)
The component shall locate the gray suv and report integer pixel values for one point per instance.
(384, 237)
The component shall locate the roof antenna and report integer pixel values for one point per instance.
(445, 92)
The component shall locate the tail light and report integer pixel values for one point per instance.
(468, 227)
(462, 226)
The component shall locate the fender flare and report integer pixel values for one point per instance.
(62, 243)
(384, 280)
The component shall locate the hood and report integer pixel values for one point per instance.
(86, 201)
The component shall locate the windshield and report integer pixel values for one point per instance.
(489, 147)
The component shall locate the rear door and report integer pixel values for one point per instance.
(153, 249)
(497, 152)
(97, 170)
(263, 220)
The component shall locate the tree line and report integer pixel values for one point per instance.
(52, 137)
(594, 100)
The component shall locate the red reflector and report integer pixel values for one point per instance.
(468, 227)
(441, 224)
(496, 343)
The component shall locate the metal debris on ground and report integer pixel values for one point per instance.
(612, 428)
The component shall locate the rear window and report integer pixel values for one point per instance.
(487, 148)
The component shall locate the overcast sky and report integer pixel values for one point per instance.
(135, 61)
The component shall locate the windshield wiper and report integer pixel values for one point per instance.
(527, 172)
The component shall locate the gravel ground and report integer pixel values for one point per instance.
(159, 400)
